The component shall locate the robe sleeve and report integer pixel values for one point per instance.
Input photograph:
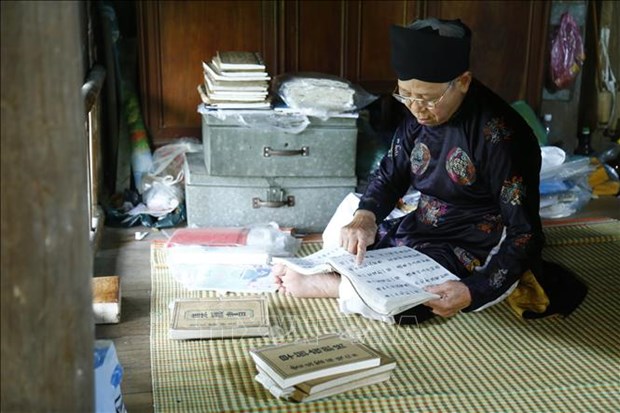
(391, 180)
(511, 165)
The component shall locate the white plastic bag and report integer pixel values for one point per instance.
(564, 187)
(228, 259)
(321, 95)
(162, 186)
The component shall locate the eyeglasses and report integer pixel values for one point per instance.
(429, 104)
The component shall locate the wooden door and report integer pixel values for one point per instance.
(349, 39)
(508, 43)
(175, 37)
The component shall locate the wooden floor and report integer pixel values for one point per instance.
(120, 254)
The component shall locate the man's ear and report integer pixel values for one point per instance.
(463, 82)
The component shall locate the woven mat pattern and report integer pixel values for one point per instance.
(490, 361)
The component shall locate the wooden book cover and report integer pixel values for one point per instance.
(221, 317)
(292, 363)
(107, 299)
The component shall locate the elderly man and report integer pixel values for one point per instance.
(475, 162)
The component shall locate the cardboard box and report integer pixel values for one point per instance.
(108, 377)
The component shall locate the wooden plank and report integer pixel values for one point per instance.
(46, 265)
(107, 299)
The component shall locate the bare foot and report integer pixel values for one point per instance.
(306, 286)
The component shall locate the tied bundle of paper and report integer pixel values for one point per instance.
(235, 80)
(316, 95)
(320, 367)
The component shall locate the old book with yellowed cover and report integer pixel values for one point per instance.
(220, 317)
(296, 362)
(300, 396)
(330, 385)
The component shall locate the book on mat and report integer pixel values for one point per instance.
(386, 364)
(389, 280)
(300, 396)
(291, 363)
(321, 384)
(296, 394)
(219, 317)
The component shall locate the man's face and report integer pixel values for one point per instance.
(433, 103)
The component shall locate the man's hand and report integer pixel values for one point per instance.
(454, 297)
(359, 234)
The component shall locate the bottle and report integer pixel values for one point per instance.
(583, 147)
(547, 118)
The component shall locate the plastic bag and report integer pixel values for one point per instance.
(168, 160)
(321, 95)
(228, 259)
(567, 53)
(221, 269)
(162, 187)
(273, 120)
(564, 188)
(266, 238)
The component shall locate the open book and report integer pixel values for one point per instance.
(390, 280)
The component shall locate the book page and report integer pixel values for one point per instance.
(391, 277)
(313, 263)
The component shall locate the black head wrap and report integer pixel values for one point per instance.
(425, 55)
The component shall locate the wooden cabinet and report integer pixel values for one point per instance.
(349, 39)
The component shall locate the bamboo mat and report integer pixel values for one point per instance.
(490, 361)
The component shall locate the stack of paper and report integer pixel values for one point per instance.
(319, 367)
(235, 80)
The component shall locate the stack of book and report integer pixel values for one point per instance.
(319, 367)
(235, 80)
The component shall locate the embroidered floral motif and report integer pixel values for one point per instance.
(430, 210)
(513, 191)
(420, 158)
(496, 130)
(460, 168)
(469, 261)
(490, 223)
(522, 240)
(498, 278)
